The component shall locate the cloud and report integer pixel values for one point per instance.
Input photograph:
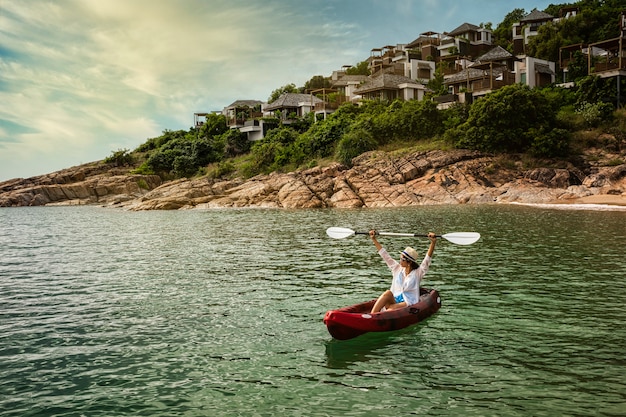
(82, 78)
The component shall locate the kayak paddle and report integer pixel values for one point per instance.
(458, 238)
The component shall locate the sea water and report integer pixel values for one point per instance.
(219, 313)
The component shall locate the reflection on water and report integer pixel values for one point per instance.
(107, 312)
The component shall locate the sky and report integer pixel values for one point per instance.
(80, 79)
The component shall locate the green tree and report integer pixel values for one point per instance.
(214, 125)
(436, 84)
(507, 120)
(362, 68)
(159, 141)
(121, 157)
(503, 35)
(317, 82)
(546, 45)
(184, 166)
(321, 138)
(597, 20)
(593, 89)
(289, 88)
(353, 144)
(577, 67)
(406, 120)
(236, 143)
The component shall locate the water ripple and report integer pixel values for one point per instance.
(219, 313)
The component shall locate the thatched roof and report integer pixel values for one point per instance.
(544, 69)
(349, 79)
(470, 73)
(495, 54)
(292, 100)
(244, 103)
(464, 28)
(424, 39)
(536, 16)
(384, 81)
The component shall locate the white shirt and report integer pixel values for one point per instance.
(408, 286)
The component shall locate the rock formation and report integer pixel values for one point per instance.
(376, 179)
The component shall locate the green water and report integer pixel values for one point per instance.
(219, 313)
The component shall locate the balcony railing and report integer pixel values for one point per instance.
(608, 66)
(241, 118)
(491, 83)
(326, 106)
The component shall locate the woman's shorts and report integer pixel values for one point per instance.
(399, 298)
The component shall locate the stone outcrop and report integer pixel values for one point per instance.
(94, 183)
(376, 179)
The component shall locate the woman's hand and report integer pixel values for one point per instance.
(376, 243)
(433, 242)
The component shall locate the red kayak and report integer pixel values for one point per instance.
(348, 322)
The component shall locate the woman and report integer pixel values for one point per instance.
(407, 274)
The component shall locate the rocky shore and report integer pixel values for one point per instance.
(376, 179)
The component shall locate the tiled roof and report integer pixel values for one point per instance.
(535, 16)
(464, 28)
(289, 100)
(384, 81)
(244, 103)
(470, 73)
(544, 69)
(349, 79)
(420, 41)
(495, 54)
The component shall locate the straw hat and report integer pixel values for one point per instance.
(410, 253)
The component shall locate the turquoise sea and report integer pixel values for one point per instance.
(219, 313)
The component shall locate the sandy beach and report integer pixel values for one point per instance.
(601, 199)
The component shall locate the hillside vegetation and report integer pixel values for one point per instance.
(551, 122)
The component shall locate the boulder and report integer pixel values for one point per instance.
(375, 179)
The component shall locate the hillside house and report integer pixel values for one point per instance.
(241, 110)
(489, 72)
(425, 47)
(326, 106)
(256, 129)
(390, 87)
(386, 59)
(346, 84)
(605, 59)
(199, 119)
(528, 27)
(535, 72)
(289, 105)
(466, 40)
(400, 60)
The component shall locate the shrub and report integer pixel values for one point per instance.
(158, 142)
(162, 161)
(121, 157)
(615, 162)
(223, 168)
(503, 121)
(184, 166)
(595, 113)
(143, 169)
(141, 183)
(321, 138)
(454, 116)
(235, 143)
(354, 143)
(263, 153)
(550, 144)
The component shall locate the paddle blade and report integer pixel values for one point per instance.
(339, 232)
(462, 238)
